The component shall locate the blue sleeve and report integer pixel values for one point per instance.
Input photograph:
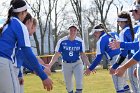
(21, 33)
(137, 56)
(129, 45)
(33, 62)
(25, 65)
(29, 66)
(20, 73)
(124, 53)
(95, 62)
(127, 38)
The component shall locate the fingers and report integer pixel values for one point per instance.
(114, 44)
(48, 84)
(87, 72)
(50, 87)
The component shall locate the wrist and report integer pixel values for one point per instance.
(115, 66)
(124, 67)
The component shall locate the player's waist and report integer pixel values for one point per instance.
(70, 61)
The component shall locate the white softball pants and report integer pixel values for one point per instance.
(119, 82)
(21, 87)
(133, 80)
(8, 79)
(70, 69)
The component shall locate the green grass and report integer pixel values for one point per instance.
(100, 82)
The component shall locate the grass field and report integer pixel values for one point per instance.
(101, 82)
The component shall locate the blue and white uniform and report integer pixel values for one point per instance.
(15, 34)
(103, 49)
(134, 46)
(137, 58)
(72, 64)
(125, 36)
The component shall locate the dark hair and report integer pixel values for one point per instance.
(14, 5)
(28, 17)
(101, 26)
(124, 14)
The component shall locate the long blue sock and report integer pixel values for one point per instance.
(78, 91)
(120, 91)
(127, 88)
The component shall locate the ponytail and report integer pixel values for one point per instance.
(14, 5)
(10, 13)
(132, 30)
(105, 30)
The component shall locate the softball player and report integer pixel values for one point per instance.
(127, 35)
(102, 48)
(20, 60)
(14, 32)
(133, 45)
(72, 50)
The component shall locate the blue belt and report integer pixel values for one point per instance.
(69, 61)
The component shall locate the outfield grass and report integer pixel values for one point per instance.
(101, 82)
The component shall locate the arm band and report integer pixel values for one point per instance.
(119, 61)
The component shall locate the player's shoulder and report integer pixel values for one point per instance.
(16, 22)
(63, 39)
(79, 39)
(113, 33)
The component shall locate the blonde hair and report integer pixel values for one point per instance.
(34, 22)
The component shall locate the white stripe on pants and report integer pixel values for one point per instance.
(73, 68)
(8, 80)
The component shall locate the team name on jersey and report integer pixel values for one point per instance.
(69, 48)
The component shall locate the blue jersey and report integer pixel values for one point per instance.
(102, 48)
(70, 50)
(21, 60)
(137, 56)
(125, 36)
(16, 35)
(13, 34)
(133, 46)
(102, 45)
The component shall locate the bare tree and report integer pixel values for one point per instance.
(43, 15)
(76, 4)
(103, 7)
(119, 8)
(58, 23)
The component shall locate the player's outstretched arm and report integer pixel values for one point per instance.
(54, 59)
(33, 62)
(85, 59)
(95, 62)
(120, 70)
(46, 68)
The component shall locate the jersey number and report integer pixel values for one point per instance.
(71, 53)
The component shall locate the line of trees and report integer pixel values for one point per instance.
(54, 17)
